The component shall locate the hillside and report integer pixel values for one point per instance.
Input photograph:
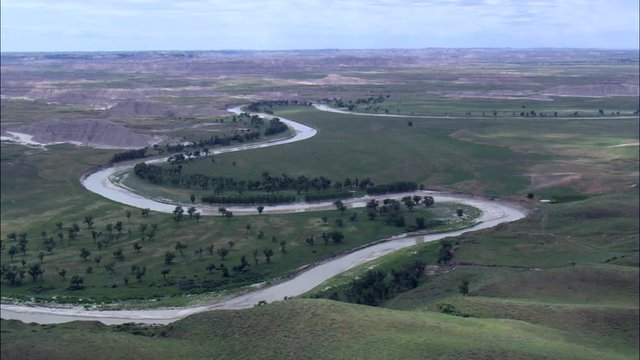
(303, 329)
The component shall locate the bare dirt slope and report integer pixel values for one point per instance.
(97, 133)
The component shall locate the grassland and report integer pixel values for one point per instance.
(560, 284)
(49, 202)
(497, 157)
(306, 329)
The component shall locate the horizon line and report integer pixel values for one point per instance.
(315, 49)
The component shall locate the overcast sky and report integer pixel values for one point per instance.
(90, 25)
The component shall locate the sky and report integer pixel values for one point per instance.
(129, 25)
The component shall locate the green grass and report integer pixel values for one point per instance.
(305, 329)
(58, 196)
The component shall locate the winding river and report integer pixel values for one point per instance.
(100, 182)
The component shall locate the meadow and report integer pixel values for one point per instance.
(559, 284)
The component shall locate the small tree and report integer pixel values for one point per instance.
(164, 273)
(128, 213)
(169, 257)
(118, 254)
(180, 246)
(140, 272)
(268, 253)
(137, 247)
(84, 254)
(428, 201)
(283, 246)
(420, 222)
(13, 250)
(76, 282)
(97, 260)
(260, 209)
(340, 206)
(459, 212)
(63, 274)
(210, 268)
(255, 256)
(445, 253)
(464, 287)
(223, 252)
(35, 270)
(231, 243)
(89, 221)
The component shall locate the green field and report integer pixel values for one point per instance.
(561, 283)
(306, 329)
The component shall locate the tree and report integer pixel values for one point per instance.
(41, 256)
(145, 212)
(255, 256)
(340, 206)
(137, 247)
(164, 273)
(336, 236)
(228, 214)
(89, 221)
(118, 254)
(199, 253)
(260, 209)
(63, 274)
(125, 279)
(428, 201)
(128, 214)
(248, 227)
(22, 245)
(35, 270)
(324, 220)
(420, 223)
(223, 252)
(140, 272)
(339, 222)
(76, 282)
(410, 123)
(464, 287)
(268, 253)
(283, 246)
(353, 217)
(231, 243)
(84, 254)
(94, 235)
(180, 246)
(210, 249)
(408, 202)
(530, 196)
(192, 210)
(192, 198)
(12, 251)
(445, 253)
(197, 215)
(459, 212)
(119, 227)
(210, 268)
(50, 244)
(97, 260)
(168, 257)
(178, 215)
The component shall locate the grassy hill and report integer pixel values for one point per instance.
(304, 329)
